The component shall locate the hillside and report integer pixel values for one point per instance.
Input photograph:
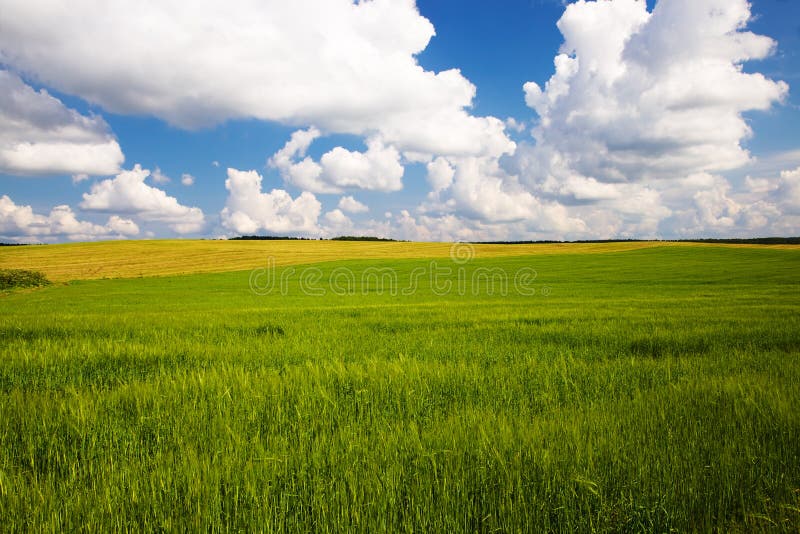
(132, 259)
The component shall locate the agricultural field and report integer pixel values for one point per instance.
(401, 387)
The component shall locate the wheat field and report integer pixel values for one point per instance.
(130, 259)
(633, 389)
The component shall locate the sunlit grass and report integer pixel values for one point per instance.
(651, 390)
(129, 259)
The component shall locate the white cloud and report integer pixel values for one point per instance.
(580, 188)
(344, 66)
(789, 190)
(515, 125)
(351, 205)
(159, 177)
(337, 223)
(122, 226)
(638, 96)
(40, 136)
(306, 172)
(187, 179)
(715, 209)
(440, 174)
(783, 192)
(708, 205)
(641, 107)
(442, 228)
(640, 111)
(129, 194)
(483, 191)
(377, 169)
(21, 223)
(445, 227)
(249, 210)
(643, 113)
(771, 164)
(337, 218)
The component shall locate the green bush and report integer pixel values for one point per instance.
(20, 278)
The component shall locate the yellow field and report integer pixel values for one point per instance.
(130, 259)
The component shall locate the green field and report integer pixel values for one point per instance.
(644, 389)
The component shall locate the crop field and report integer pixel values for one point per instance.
(131, 259)
(401, 387)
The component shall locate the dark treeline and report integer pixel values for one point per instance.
(360, 238)
(286, 238)
(753, 241)
(270, 238)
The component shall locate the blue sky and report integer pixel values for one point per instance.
(668, 123)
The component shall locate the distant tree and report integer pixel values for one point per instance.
(267, 238)
(19, 278)
(361, 238)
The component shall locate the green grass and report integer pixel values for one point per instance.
(21, 279)
(136, 259)
(652, 390)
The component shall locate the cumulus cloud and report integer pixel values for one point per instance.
(125, 227)
(351, 205)
(639, 95)
(187, 179)
(640, 106)
(335, 222)
(484, 191)
(440, 174)
(249, 210)
(709, 205)
(481, 189)
(21, 223)
(345, 66)
(128, 193)
(446, 227)
(408, 226)
(39, 135)
(642, 114)
(377, 169)
(515, 125)
(787, 193)
(781, 208)
(701, 205)
(159, 177)
(636, 129)
(337, 218)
